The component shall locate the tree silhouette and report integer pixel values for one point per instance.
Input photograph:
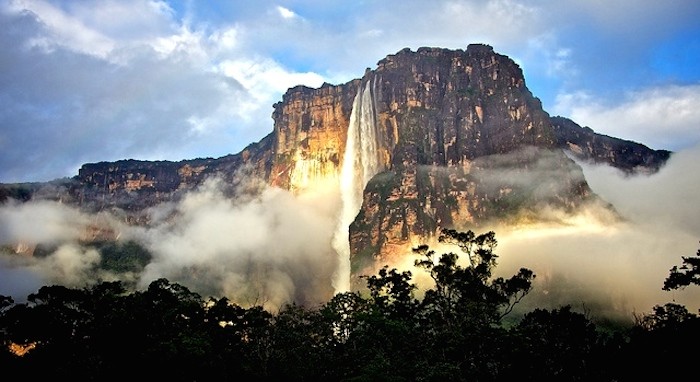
(454, 332)
(467, 295)
(686, 274)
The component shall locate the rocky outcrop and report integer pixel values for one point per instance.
(134, 185)
(471, 145)
(310, 131)
(585, 144)
(428, 139)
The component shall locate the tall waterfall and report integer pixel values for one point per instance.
(360, 163)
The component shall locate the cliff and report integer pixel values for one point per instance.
(585, 144)
(428, 139)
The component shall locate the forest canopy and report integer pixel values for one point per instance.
(457, 331)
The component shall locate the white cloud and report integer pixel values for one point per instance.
(545, 54)
(125, 20)
(225, 39)
(619, 268)
(40, 222)
(451, 24)
(663, 117)
(264, 246)
(668, 199)
(265, 79)
(187, 42)
(99, 29)
(285, 12)
(58, 229)
(69, 265)
(166, 91)
(62, 29)
(270, 247)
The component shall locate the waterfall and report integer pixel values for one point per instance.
(360, 163)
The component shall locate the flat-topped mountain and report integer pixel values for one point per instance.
(428, 139)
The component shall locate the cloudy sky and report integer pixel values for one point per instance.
(103, 80)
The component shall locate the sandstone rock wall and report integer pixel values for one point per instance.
(461, 142)
(310, 130)
(446, 111)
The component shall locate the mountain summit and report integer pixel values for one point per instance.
(429, 139)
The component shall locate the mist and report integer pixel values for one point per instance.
(614, 268)
(58, 228)
(267, 246)
(609, 263)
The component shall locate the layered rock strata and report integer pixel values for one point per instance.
(428, 139)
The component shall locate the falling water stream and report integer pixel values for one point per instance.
(360, 163)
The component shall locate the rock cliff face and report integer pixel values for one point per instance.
(469, 144)
(310, 131)
(585, 144)
(458, 141)
(428, 139)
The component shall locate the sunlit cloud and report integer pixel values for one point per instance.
(62, 54)
(618, 268)
(168, 92)
(102, 80)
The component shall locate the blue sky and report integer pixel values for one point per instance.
(89, 81)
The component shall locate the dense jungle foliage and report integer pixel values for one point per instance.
(455, 332)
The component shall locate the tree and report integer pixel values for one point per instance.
(391, 293)
(462, 312)
(556, 345)
(659, 342)
(55, 322)
(464, 295)
(687, 274)
(378, 337)
(298, 346)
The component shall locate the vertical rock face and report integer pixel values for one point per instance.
(428, 139)
(459, 140)
(455, 105)
(134, 185)
(585, 144)
(446, 112)
(310, 130)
